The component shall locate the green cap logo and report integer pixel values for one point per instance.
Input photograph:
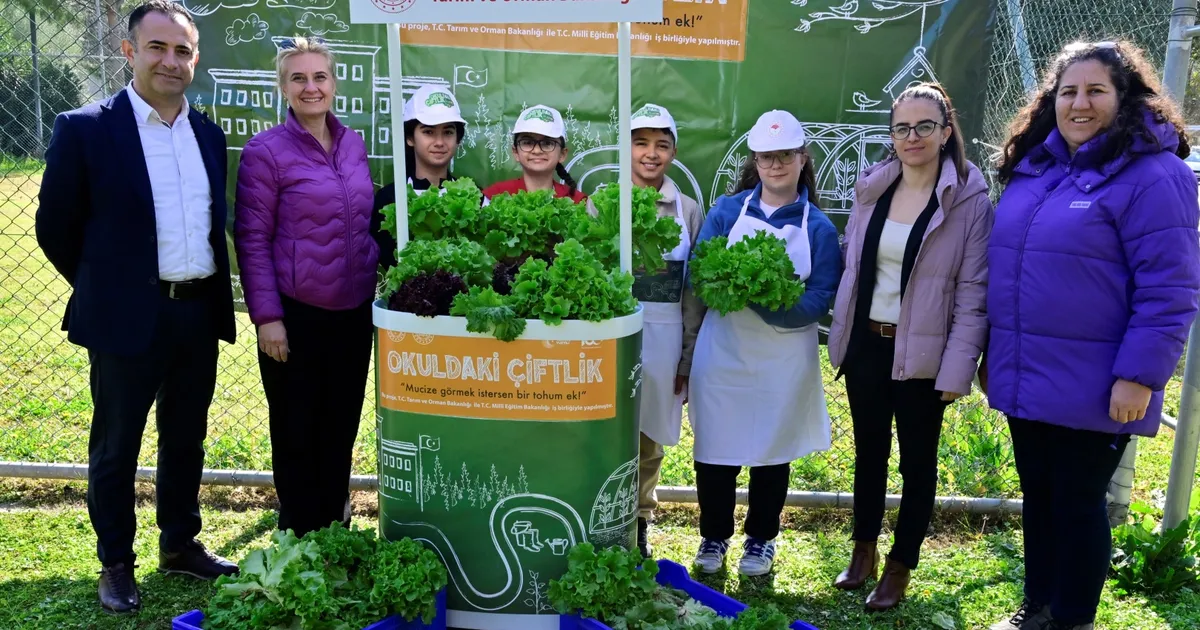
(543, 115)
(439, 98)
(648, 112)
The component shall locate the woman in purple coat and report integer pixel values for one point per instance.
(302, 233)
(1094, 267)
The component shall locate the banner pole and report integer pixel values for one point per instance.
(396, 74)
(624, 111)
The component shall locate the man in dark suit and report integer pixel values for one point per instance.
(132, 213)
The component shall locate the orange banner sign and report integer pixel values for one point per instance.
(488, 378)
(691, 29)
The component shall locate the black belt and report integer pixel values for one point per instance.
(186, 289)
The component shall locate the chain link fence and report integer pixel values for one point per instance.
(54, 62)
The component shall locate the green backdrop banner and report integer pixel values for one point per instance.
(715, 64)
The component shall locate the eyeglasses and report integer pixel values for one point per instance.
(290, 42)
(924, 129)
(768, 159)
(545, 144)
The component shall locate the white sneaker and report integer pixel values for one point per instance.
(711, 556)
(757, 558)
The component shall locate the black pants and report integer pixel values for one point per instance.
(918, 409)
(178, 374)
(716, 487)
(1068, 542)
(315, 401)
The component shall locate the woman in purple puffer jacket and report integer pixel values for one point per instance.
(1094, 266)
(308, 268)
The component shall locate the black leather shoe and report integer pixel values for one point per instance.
(194, 560)
(642, 542)
(118, 590)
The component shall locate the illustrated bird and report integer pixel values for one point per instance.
(860, 99)
(850, 6)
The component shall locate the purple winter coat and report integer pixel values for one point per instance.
(1094, 276)
(302, 220)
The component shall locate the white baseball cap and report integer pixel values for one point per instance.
(652, 116)
(776, 130)
(542, 120)
(432, 105)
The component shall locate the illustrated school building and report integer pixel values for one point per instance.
(245, 102)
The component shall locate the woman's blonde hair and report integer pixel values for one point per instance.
(294, 46)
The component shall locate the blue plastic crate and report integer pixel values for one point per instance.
(674, 575)
(194, 620)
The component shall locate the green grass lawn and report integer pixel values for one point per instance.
(970, 573)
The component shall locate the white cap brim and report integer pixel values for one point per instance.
(431, 119)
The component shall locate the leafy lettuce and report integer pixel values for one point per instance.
(754, 270)
(333, 579)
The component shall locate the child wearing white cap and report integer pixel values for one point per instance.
(540, 147)
(671, 312)
(757, 396)
(433, 129)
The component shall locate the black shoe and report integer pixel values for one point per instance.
(642, 542)
(118, 590)
(194, 560)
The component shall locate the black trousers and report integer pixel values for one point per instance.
(315, 401)
(716, 487)
(918, 410)
(1068, 542)
(177, 374)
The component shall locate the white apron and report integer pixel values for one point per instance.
(662, 346)
(757, 396)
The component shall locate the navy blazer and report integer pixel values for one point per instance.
(96, 225)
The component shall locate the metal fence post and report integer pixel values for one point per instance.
(39, 125)
(1120, 487)
(1021, 44)
(1187, 433)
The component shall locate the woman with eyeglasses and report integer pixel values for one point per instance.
(757, 397)
(1095, 269)
(540, 147)
(909, 323)
(308, 263)
(433, 129)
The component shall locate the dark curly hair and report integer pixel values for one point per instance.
(1138, 90)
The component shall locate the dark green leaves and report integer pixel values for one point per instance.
(652, 235)
(604, 584)
(527, 223)
(333, 579)
(468, 260)
(488, 312)
(1151, 560)
(520, 249)
(754, 270)
(768, 618)
(575, 286)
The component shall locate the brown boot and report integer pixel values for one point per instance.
(864, 561)
(891, 587)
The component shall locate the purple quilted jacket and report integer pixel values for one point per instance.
(1094, 273)
(302, 220)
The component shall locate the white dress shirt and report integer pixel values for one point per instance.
(182, 198)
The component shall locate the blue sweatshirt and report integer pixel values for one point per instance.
(825, 250)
